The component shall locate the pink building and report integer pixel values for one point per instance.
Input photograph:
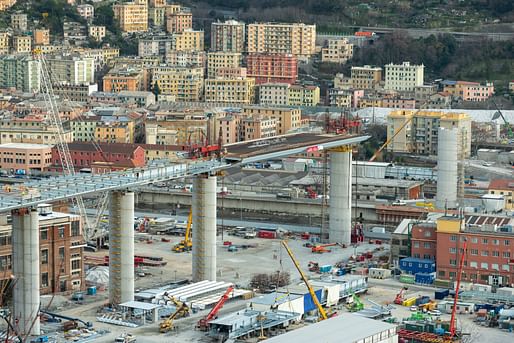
(24, 158)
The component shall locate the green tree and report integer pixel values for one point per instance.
(156, 90)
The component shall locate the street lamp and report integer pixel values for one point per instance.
(175, 275)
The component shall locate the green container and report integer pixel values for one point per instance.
(407, 279)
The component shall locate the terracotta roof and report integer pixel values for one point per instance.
(118, 148)
(502, 184)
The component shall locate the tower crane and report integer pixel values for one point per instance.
(321, 311)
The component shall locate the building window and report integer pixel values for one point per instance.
(496, 242)
(453, 250)
(60, 232)
(44, 256)
(474, 251)
(505, 267)
(495, 253)
(506, 242)
(453, 238)
(5, 262)
(495, 266)
(452, 275)
(485, 253)
(453, 262)
(506, 254)
(485, 241)
(75, 264)
(416, 244)
(75, 228)
(484, 265)
(61, 253)
(5, 239)
(427, 245)
(428, 233)
(442, 273)
(473, 264)
(44, 280)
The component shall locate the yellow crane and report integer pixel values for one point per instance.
(186, 244)
(322, 314)
(182, 310)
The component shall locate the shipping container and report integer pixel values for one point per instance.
(409, 302)
(441, 294)
(413, 266)
(379, 273)
(267, 234)
(407, 279)
(325, 269)
(425, 278)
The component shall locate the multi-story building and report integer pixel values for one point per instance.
(469, 91)
(398, 102)
(155, 46)
(132, 16)
(5, 38)
(25, 158)
(78, 93)
(188, 40)
(60, 256)
(189, 59)
(31, 130)
(124, 79)
(504, 187)
(84, 128)
(403, 77)
(19, 22)
(258, 127)
(344, 97)
(303, 95)
(366, 77)
(239, 90)
(276, 94)
(22, 72)
(71, 68)
(420, 134)
(230, 128)
(86, 11)
(184, 84)
(297, 39)
(179, 21)
(228, 36)
(158, 134)
(115, 132)
(22, 44)
(370, 100)
(41, 37)
(219, 59)
(75, 33)
(338, 50)
(5, 4)
(288, 118)
(231, 72)
(180, 129)
(97, 32)
(157, 16)
(272, 68)
(343, 82)
(423, 240)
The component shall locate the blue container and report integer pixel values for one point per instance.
(308, 303)
(325, 269)
(411, 265)
(441, 294)
(91, 290)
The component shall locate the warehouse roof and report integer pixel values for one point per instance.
(353, 328)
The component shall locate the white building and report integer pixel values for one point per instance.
(87, 11)
(403, 77)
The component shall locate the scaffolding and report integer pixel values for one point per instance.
(115, 249)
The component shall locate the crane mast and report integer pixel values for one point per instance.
(453, 329)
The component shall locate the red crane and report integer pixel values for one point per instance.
(203, 323)
(399, 297)
(456, 297)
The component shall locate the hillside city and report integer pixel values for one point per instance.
(239, 171)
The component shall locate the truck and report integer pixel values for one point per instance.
(125, 338)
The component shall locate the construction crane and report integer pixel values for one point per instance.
(320, 249)
(453, 329)
(400, 296)
(203, 323)
(321, 312)
(186, 244)
(498, 114)
(182, 310)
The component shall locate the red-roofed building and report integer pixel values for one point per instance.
(503, 187)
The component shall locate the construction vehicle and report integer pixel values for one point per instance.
(125, 338)
(313, 267)
(400, 296)
(321, 312)
(320, 249)
(354, 303)
(182, 310)
(186, 244)
(203, 323)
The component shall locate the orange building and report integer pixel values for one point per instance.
(41, 37)
(179, 22)
(24, 158)
(124, 79)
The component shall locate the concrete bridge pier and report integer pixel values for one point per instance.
(340, 211)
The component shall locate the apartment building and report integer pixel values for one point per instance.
(78, 93)
(25, 158)
(86, 11)
(157, 16)
(71, 68)
(297, 39)
(231, 72)
(22, 44)
(31, 130)
(403, 77)
(188, 40)
(504, 187)
(258, 127)
(132, 16)
(338, 50)
(115, 131)
(157, 134)
(184, 84)
(228, 36)
(288, 118)
(366, 77)
(22, 72)
(179, 22)
(186, 59)
(344, 98)
(155, 46)
(60, 258)
(469, 91)
(239, 90)
(41, 37)
(276, 94)
(303, 95)
(5, 4)
(75, 33)
(84, 128)
(179, 130)
(420, 135)
(97, 32)
(5, 38)
(398, 102)
(370, 100)
(19, 22)
(230, 128)
(124, 79)
(272, 68)
(219, 59)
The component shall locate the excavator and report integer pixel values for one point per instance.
(186, 244)
(400, 296)
(182, 310)
(203, 323)
(356, 303)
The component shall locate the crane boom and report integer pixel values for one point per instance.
(202, 323)
(456, 297)
(387, 142)
(322, 313)
(498, 114)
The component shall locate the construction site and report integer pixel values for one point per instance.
(94, 260)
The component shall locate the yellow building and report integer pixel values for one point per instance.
(338, 50)
(366, 77)
(115, 132)
(4, 42)
(156, 16)
(41, 37)
(217, 60)
(370, 101)
(240, 90)
(420, 135)
(287, 118)
(301, 95)
(179, 22)
(31, 131)
(296, 38)
(132, 16)
(5, 4)
(188, 40)
(503, 187)
(184, 84)
(22, 44)
(96, 32)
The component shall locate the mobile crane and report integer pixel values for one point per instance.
(182, 310)
(204, 322)
(321, 311)
(186, 244)
(399, 297)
